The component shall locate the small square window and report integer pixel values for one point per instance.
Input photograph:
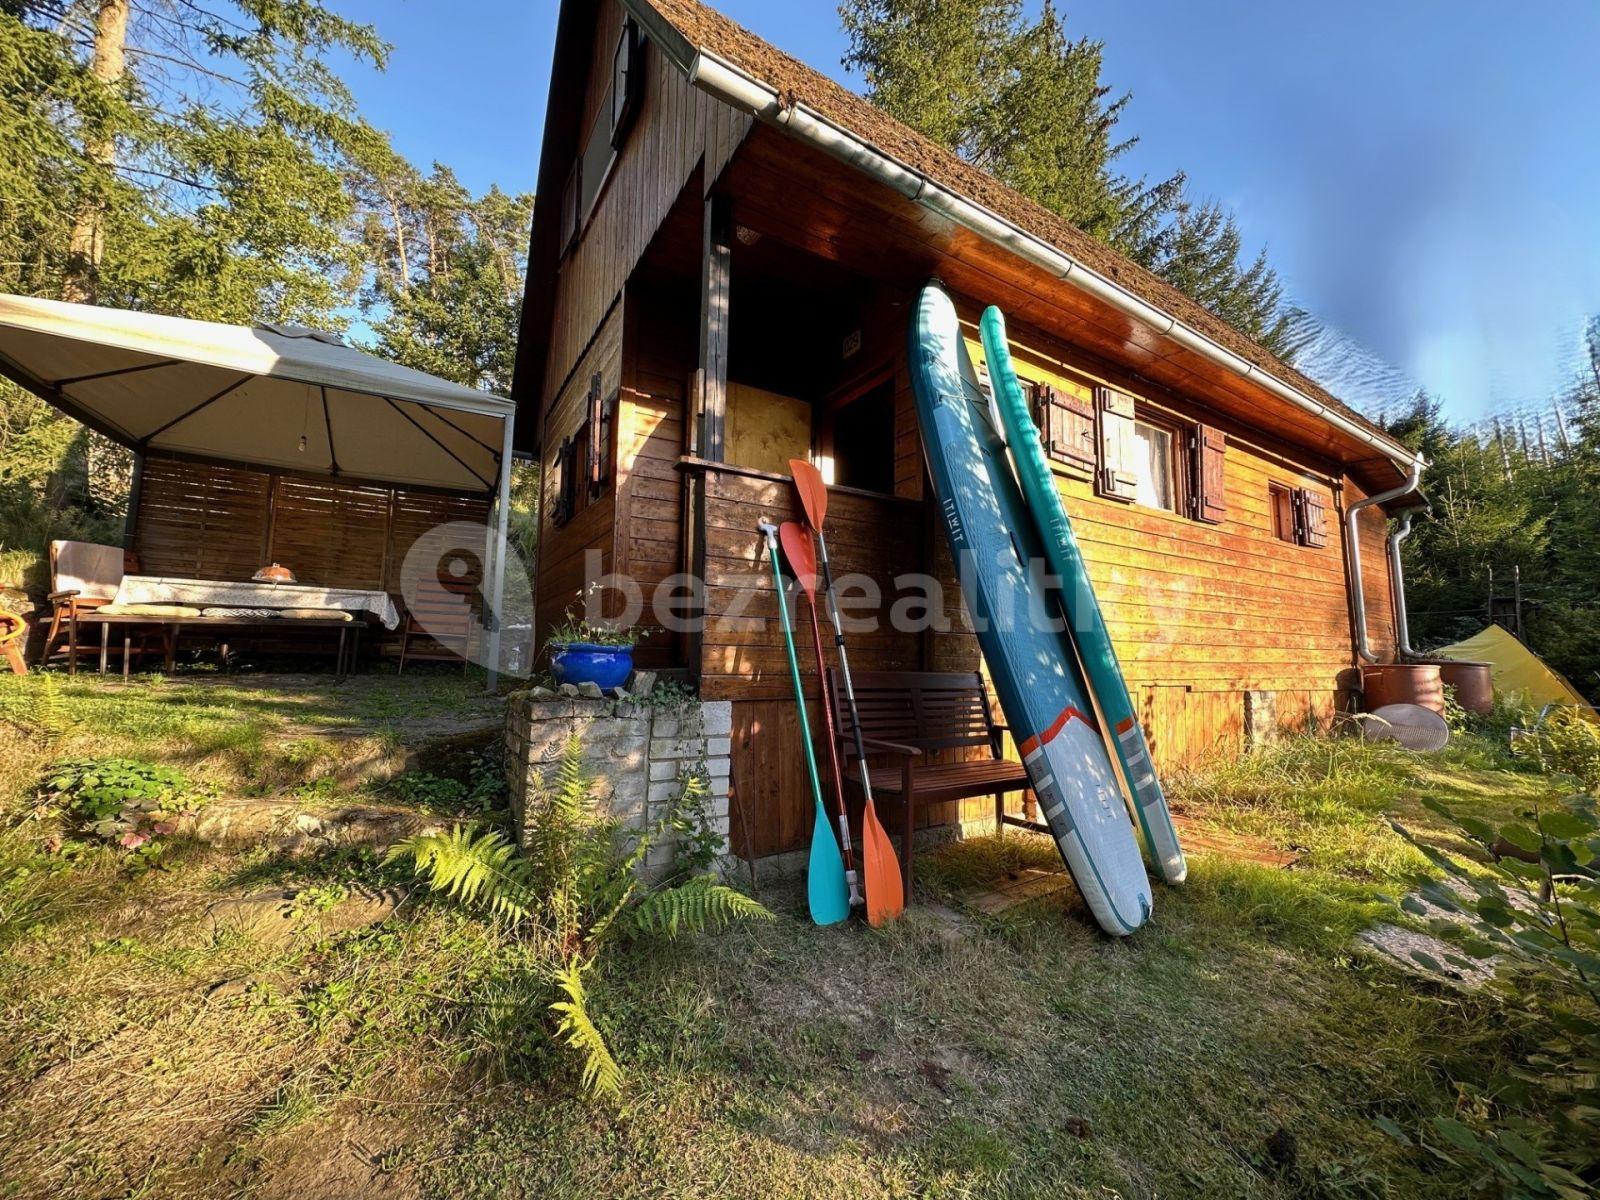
(1299, 515)
(1141, 454)
(1283, 523)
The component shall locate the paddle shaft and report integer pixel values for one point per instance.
(771, 533)
(833, 753)
(844, 666)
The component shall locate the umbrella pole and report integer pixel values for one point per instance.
(496, 557)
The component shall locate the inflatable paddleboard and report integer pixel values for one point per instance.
(1085, 624)
(1032, 665)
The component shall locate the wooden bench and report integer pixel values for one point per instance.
(908, 715)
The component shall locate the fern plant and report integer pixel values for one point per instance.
(474, 868)
(572, 893)
(600, 1075)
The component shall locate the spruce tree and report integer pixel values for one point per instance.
(1025, 101)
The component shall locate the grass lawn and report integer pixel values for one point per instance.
(1240, 1046)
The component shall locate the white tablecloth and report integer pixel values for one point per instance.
(216, 593)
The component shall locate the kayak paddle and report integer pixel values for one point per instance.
(886, 898)
(826, 890)
(797, 548)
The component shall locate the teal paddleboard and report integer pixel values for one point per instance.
(1087, 626)
(1032, 665)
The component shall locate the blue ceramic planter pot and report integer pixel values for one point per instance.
(584, 662)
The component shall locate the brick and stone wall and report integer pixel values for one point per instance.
(639, 753)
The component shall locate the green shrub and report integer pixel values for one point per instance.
(573, 894)
(123, 801)
(1511, 712)
(427, 791)
(1530, 1125)
(1564, 741)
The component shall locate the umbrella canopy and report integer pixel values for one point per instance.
(273, 396)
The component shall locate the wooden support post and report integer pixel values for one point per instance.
(711, 380)
(130, 523)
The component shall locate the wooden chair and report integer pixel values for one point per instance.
(13, 637)
(438, 624)
(907, 715)
(84, 576)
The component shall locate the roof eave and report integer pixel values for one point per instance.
(732, 84)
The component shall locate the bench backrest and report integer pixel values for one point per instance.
(931, 710)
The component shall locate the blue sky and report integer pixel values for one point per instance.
(1425, 175)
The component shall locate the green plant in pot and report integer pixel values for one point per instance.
(598, 652)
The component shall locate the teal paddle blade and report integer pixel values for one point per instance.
(826, 889)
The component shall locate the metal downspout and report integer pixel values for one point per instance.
(1352, 544)
(1397, 581)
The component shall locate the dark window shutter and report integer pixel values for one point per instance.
(1285, 513)
(1310, 518)
(1117, 474)
(1066, 425)
(1210, 488)
(566, 505)
(595, 468)
(570, 197)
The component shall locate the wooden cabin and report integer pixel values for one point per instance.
(724, 260)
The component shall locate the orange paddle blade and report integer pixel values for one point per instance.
(813, 492)
(801, 555)
(886, 898)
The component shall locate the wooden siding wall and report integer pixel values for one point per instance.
(677, 128)
(205, 521)
(658, 355)
(1201, 614)
(743, 655)
(744, 659)
(564, 552)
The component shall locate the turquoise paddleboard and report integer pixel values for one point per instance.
(1086, 625)
(1033, 666)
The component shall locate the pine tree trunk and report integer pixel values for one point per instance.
(106, 66)
(400, 241)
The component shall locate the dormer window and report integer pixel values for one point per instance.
(604, 139)
(627, 74)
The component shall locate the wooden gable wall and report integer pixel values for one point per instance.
(679, 143)
(678, 128)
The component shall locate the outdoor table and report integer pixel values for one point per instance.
(172, 629)
(224, 593)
